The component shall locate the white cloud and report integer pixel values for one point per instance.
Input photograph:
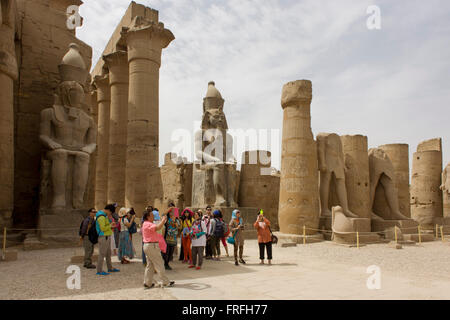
(389, 84)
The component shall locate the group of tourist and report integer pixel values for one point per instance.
(201, 235)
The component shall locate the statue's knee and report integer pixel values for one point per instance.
(57, 154)
(83, 158)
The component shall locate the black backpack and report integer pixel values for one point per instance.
(219, 231)
(92, 233)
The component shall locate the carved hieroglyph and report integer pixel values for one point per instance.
(332, 171)
(66, 131)
(426, 195)
(445, 187)
(382, 176)
(299, 192)
(214, 175)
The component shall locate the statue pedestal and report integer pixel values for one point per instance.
(287, 240)
(60, 227)
(406, 226)
(203, 191)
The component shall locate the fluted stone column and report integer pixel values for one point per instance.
(8, 73)
(357, 178)
(101, 175)
(145, 41)
(399, 155)
(117, 63)
(299, 191)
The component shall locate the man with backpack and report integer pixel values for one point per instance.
(217, 233)
(88, 236)
(104, 230)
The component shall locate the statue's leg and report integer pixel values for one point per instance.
(325, 179)
(392, 198)
(80, 178)
(58, 176)
(341, 190)
(218, 177)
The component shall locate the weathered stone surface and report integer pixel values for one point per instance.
(382, 185)
(258, 187)
(117, 64)
(8, 73)
(145, 40)
(214, 173)
(42, 39)
(445, 187)
(299, 192)
(399, 155)
(176, 177)
(426, 196)
(357, 178)
(333, 191)
(104, 103)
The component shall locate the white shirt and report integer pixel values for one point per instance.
(123, 227)
(200, 242)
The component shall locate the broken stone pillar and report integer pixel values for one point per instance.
(445, 187)
(357, 174)
(426, 196)
(299, 191)
(145, 40)
(8, 73)
(101, 176)
(117, 64)
(399, 155)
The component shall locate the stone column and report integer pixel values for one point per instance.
(145, 41)
(399, 155)
(357, 174)
(299, 187)
(117, 63)
(8, 73)
(426, 196)
(101, 175)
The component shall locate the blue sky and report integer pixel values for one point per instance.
(390, 84)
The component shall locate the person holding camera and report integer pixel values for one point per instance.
(236, 228)
(262, 226)
(126, 220)
(153, 252)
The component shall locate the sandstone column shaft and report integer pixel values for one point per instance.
(426, 197)
(357, 174)
(145, 46)
(101, 176)
(118, 77)
(299, 192)
(399, 155)
(6, 148)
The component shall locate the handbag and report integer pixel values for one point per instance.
(274, 237)
(133, 228)
(231, 240)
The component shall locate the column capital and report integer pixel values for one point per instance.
(102, 85)
(117, 63)
(296, 92)
(145, 39)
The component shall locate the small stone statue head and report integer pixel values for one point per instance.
(214, 119)
(71, 94)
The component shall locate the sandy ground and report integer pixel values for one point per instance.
(315, 271)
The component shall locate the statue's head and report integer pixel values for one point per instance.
(72, 67)
(214, 119)
(213, 99)
(71, 94)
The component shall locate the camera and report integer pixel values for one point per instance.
(132, 212)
